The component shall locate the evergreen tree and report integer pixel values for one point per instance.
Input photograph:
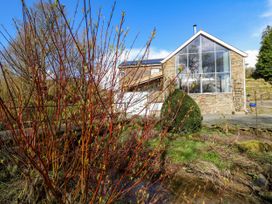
(264, 64)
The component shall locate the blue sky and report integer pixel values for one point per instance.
(237, 22)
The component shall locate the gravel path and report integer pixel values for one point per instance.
(242, 120)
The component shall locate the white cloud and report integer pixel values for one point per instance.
(153, 53)
(251, 58)
(132, 54)
(267, 19)
(268, 12)
(158, 53)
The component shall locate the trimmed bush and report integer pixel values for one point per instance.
(180, 113)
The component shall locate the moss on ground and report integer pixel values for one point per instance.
(254, 146)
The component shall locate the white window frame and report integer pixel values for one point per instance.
(177, 65)
(154, 70)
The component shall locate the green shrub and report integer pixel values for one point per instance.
(180, 113)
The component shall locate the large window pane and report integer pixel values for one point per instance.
(182, 63)
(220, 48)
(193, 63)
(222, 62)
(208, 83)
(194, 83)
(193, 47)
(183, 51)
(189, 83)
(207, 45)
(223, 82)
(183, 82)
(208, 62)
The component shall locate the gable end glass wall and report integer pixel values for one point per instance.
(203, 66)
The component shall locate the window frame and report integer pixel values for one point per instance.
(200, 68)
(154, 71)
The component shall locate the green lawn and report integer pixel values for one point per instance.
(189, 148)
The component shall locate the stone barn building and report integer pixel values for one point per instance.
(208, 69)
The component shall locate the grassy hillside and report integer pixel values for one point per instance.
(218, 165)
(263, 89)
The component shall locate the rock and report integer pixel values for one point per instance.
(254, 146)
(261, 181)
(206, 168)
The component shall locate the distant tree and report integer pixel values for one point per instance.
(264, 63)
(266, 31)
(249, 72)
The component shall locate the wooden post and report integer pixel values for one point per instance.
(256, 110)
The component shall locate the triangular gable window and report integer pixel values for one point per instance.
(203, 67)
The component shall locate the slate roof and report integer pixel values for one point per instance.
(142, 62)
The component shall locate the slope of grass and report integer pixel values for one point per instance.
(263, 89)
(184, 150)
(215, 158)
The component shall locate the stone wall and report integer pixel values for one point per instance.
(237, 80)
(169, 75)
(211, 103)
